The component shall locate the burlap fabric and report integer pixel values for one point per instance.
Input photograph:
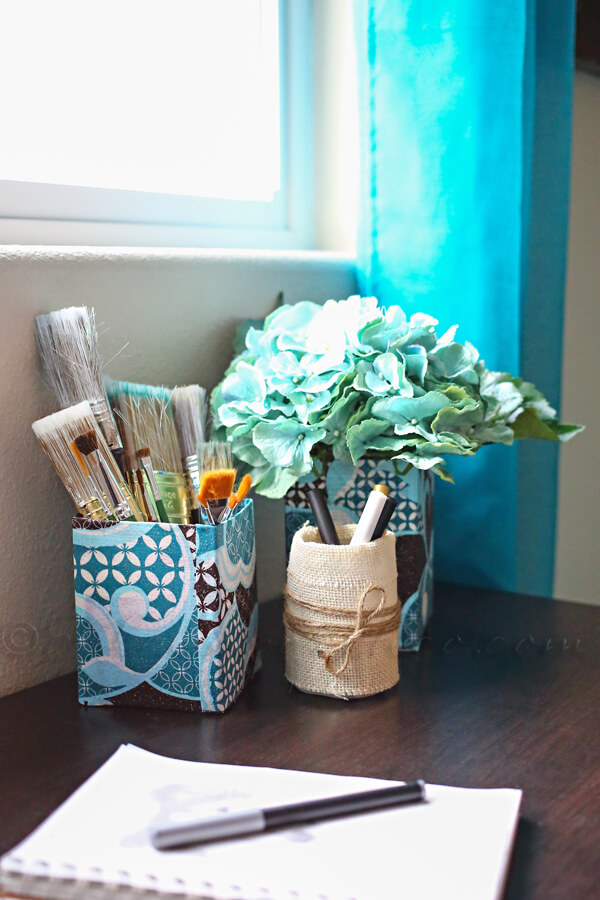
(341, 615)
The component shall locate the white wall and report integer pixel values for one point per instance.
(578, 539)
(178, 310)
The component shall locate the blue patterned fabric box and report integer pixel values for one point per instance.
(166, 614)
(347, 488)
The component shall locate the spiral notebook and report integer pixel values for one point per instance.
(97, 844)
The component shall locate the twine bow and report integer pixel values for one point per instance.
(326, 632)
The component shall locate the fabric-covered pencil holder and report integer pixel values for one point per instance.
(341, 615)
(166, 613)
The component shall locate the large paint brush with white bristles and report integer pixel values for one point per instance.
(56, 433)
(67, 342)
(191, 420)
(144, 412)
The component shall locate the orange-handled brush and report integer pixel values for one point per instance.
(245, 485)
(236, 498)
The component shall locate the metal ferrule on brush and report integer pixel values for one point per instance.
(115, 493)
(138, 485)
(192, 468)
(103, 416)
(192, 472)
(146, 461)
(94, 509)
(96, 503)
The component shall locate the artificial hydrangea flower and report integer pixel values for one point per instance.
(349, 379)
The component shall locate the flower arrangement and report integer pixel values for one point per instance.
(349, 379)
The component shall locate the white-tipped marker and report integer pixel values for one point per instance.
(370, 515)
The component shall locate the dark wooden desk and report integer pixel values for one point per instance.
(505, 692)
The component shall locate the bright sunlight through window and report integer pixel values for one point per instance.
(167, 96)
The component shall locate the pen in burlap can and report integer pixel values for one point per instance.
(341, 615)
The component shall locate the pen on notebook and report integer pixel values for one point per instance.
(322, 517)
(253, 821)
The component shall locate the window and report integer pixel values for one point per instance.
(147, 121)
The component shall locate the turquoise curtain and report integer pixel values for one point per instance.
(465, 124)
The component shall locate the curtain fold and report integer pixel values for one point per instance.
(465, 123)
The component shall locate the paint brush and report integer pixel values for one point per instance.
(236, 498)
(95, 489)
(56, 433)
(67, 343)
(113, 488)
(145, 412)
(191, 421)
(134, 474)
(146, 460)
(217, 475)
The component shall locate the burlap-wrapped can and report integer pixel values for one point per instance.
(341, 615)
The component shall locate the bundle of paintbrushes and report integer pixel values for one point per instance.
(81, 458)
(127, 451)
(152, 456)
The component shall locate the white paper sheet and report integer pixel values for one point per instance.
(457, 845)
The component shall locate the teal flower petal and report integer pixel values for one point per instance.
(446, 443)
(244, 448)
(246, 384)
(291, 318)
(453, 360)
(285, 443)
(309, 406)
(374, 435)
(336, 424)
(275, 482)
(390, 368)
(461, 421)
(403, 410)
(415, 362)
(383, 376)
(420, 462)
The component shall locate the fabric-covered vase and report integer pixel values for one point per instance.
(166, 613)
(347, 488)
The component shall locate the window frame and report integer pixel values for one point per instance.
(41, 214)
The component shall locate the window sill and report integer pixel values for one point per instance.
(261, 257)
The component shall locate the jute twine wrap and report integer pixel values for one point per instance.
(341, 615)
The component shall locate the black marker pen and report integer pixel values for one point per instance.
(322, 517)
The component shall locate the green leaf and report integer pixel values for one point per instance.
(566, 432)
(529, 425)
